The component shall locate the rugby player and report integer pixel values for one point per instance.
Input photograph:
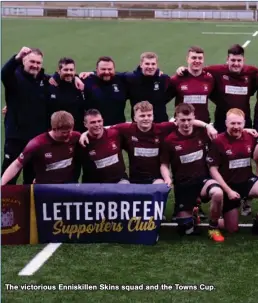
(102, 159)
(53, 153)
(195, 85)
(229, 159)
(185, 150)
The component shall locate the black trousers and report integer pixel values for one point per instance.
(12, 149)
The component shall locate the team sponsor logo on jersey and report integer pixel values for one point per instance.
(48, 155)
(134, 139)
(209, 159)
(239, 163)
(184, 87)
(191, 157)
(21, 156)
(53, 96)
(178, 147)
(195, 99)
(225, 77)
(115, 86)
(229, 152)
(107, 161)
(156, 86)
(92, 152)
(113, 144)
(59, 164)
(236, 90)
(146, 152)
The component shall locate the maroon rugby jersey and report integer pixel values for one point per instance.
(187, 155)
(194, 90)
(232, 90)
(53, 161)
(102, 159)
(232, 156)
(143, 148)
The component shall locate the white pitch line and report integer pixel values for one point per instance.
(246, 43)
(255, 33)
(204, 224)
(236, 25)
(225, 33)
(39, 259)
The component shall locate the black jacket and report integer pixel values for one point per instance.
(67, 97)
(109, 97)
(155, 89)
(26, 100)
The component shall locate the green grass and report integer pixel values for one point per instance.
(230, 267)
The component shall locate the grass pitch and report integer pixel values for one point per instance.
(229, 267)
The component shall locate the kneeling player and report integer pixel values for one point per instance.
(102, 157)
(185, 150)
(53, 154)
(230, 164)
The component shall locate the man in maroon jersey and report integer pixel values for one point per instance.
(142, 142)
(195, 85)
(235, 83)
(185, 150)
(102, 158)
(52, 153)
(229, 159)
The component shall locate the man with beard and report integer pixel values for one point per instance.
(229, 159)
(195, 85)
(185, 150)
(52, 153)
(106, 92)
(25, 84)
(66, 96)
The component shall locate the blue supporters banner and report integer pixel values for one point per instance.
(93, 213)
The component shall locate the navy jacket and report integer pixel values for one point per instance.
(67, 97)
(109, 97)
(26, 101)
(155, 89)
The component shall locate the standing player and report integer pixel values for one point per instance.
(53, 154)
(195, 85)
(25, 84)
(102, 158)
(185, 150)
(229, 159)
(235, 83)
(146, 83)
(65, 96)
